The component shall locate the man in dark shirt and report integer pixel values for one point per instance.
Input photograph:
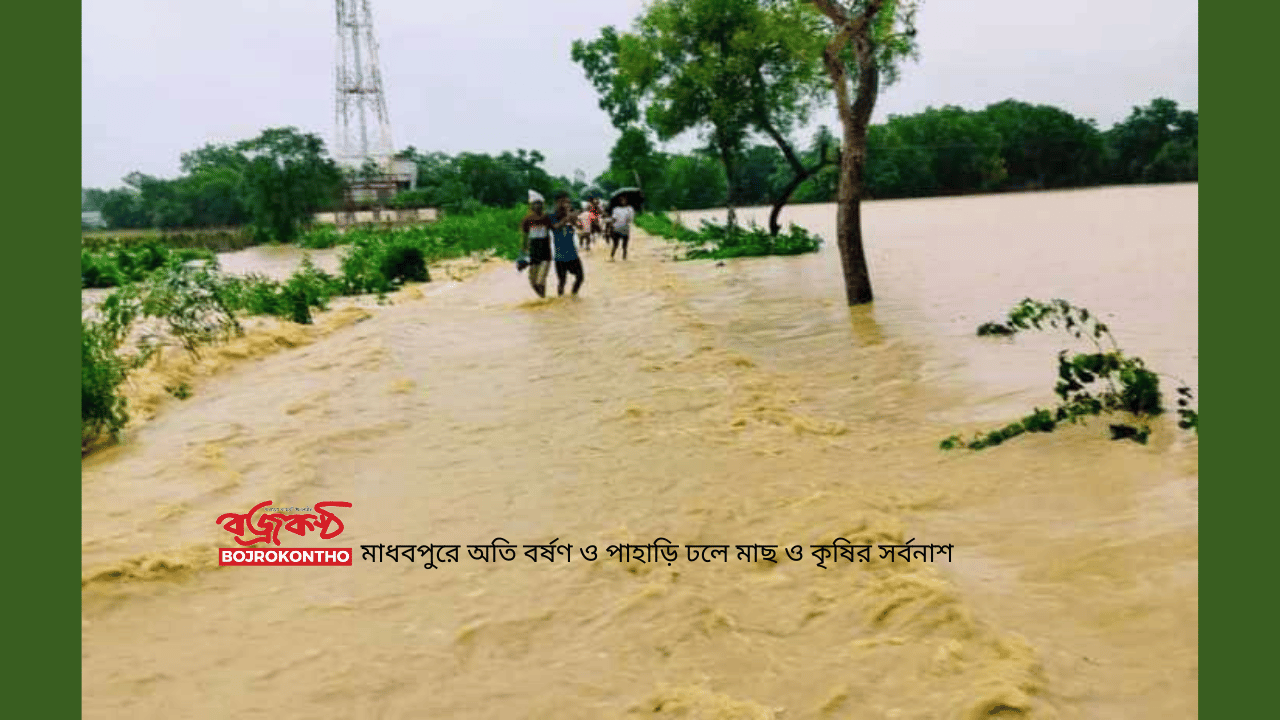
(535, 232)
(566, 255)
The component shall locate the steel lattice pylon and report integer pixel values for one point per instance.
(361, 105)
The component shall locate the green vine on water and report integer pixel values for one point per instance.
(1089, 383)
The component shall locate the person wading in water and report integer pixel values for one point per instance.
(535, 231)
(620, 229)
(566, 255)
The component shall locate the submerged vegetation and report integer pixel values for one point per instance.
(1089, 383)
(715, 242)
(194, 305)
(111, 267)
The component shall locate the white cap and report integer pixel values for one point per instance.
(535, 197)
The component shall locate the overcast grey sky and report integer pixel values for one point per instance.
(163, 77)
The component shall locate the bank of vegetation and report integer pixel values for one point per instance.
(182, 297)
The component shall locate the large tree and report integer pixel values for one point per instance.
(725, 67)
(867, 39)
(287, 177)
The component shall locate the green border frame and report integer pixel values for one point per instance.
(43, 625)
(1237, 289)
(43, 615)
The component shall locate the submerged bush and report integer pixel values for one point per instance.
(191, 301)
(720, 242)
(715, 242)
(1092, 383)
(309, 287)
(102, 371)
(119, 265)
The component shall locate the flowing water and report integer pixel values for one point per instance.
(700, 402)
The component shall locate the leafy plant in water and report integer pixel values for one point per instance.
(102, 371)
(309, 287)
(120, 264)
(719, 242)
(1092, 383)
(189, 300)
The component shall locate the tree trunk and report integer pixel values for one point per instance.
(800, 174)
(854, 118)
(857, 280)
(781, 200)
(727, 158)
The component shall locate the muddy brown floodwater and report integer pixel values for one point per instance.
(702, 403)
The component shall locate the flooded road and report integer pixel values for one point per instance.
(703, 403)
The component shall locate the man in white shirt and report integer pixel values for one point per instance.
(623, 216)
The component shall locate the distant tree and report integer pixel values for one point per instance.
(693, 182)
(91, 199)
(634, 161)
(1177, 161)
(213, 157)
(895, 166)
(964, 147)
(123, 208)
(286, 179)
(1137, 141)
(1043, 146)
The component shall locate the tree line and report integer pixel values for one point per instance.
(273, 183)
(1010, 145)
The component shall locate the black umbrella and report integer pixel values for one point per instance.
(634, 195)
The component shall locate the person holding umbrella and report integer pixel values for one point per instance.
(620, 226)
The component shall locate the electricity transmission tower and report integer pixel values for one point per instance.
(361, 106)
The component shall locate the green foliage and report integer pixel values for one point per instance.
(1090, 383)
(274, 181)
(600, 61)
(189, 300)
(662, 226)
(1177, 161)
(685, 65)
(215, 239)
(309, 287)
(720, 242)
(717, 242)
(469, 182)
(324, 236)
(121, 264)
(965, 150)
(1045, 147)
(190, 305)
(285, 180)
(1136, 144)
(102, 371)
